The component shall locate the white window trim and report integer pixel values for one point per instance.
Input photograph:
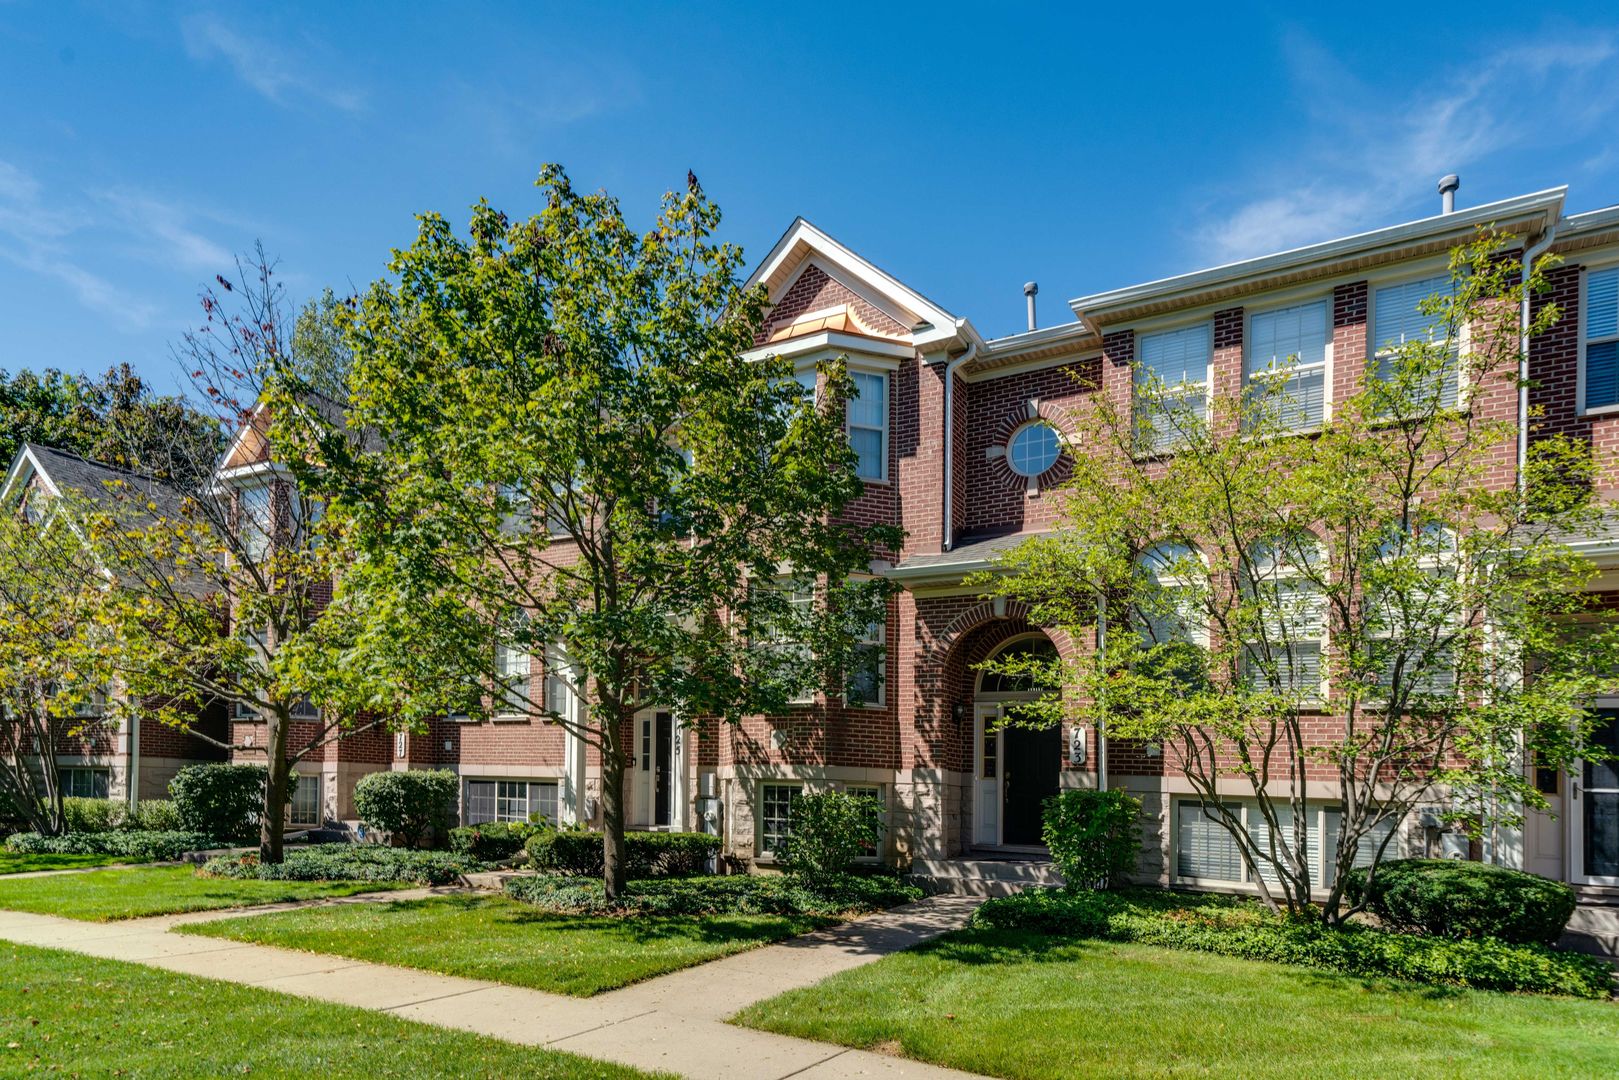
(262, 548)
(1585, 311)
(1425, 562)
(320, 805)
(1285, 572)
(1328, 365)
(888, 401)
(760, 852)
(528, 796)
(1169, 582)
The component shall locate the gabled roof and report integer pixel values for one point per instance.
(62, 471)
(803, 241)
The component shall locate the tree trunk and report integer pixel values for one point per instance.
(275, 791)
(613, 869)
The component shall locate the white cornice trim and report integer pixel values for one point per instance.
(835, 342)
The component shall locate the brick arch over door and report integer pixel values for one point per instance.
(945, 674)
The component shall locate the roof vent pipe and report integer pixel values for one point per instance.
(1447, 192)
(1029, 289)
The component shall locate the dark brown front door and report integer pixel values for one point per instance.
(1028, 779)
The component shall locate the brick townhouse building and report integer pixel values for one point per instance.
(959, 440)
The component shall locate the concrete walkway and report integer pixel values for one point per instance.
(674, 1023)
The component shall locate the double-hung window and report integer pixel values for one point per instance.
(517, 509)
(1287, 619)
(779, 629)
(1398, 321)
(556, 688)
(1599, 340)
(868, 425)
(775, 814)
(512, 665)
(1176, 364)
(304, 811)
(1410, 606)
(510, 800)
(864, 685)
(253, 522)
(1287, 363)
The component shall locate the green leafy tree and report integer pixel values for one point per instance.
(54, 674)
(1368, 603)
(115, 419)
(217, 587)
(552, 454)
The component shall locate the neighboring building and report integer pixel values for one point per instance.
(132, 761)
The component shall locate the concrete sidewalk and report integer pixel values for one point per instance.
(674, 1022)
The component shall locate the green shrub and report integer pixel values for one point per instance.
(348, 862)
(1241, 928)
(491, 840)
(93, 815)
(220, 800)
(405, 805)
(742, 894)
(1455, 899)
(1094, 836)
(828, 830)
(131, 844)
(158, 815)
(579, 853)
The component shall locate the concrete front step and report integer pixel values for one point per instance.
(1594, 929)
(986, 875)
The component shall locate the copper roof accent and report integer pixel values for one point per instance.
(841, 319)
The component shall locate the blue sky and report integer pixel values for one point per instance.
(966, 150)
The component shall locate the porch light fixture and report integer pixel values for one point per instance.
(958, 713)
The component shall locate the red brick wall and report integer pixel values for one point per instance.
(815, 290)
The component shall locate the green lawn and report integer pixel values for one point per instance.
(1026, 1006)
(501, 940)
(158, 890)
(13, 863)
(81, 1016)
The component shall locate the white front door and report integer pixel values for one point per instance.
(1594, 809)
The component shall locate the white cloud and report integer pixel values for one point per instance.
(59, 233)
(268, 68)
(1370, 151)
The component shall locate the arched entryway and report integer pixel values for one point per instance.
(1015, 768)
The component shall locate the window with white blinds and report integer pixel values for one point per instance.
(510, 800)
(1601, 339)
(1204, 849)
(1397, 318)
(1180, 361)
(1287, 362)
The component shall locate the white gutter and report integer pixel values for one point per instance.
(948, 539)
(1531, 253)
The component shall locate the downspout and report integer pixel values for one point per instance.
(948, 540)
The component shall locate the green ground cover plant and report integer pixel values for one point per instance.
(1032, 1006)
(1233, 926)
(496, 938)
(84, 1016)
(828, 897)
(579, 852)
(158, 890)
(348, 862)
(134, 845)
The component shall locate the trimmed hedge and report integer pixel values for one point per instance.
(743, 894)
(347, 862)
(124, 843)
(492, 840)
(1232, 927)
(1094, 836)
(407, 804)
(221, 800)
(158, 815)
(575, 852)
(93, 815)
(1454, 899)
